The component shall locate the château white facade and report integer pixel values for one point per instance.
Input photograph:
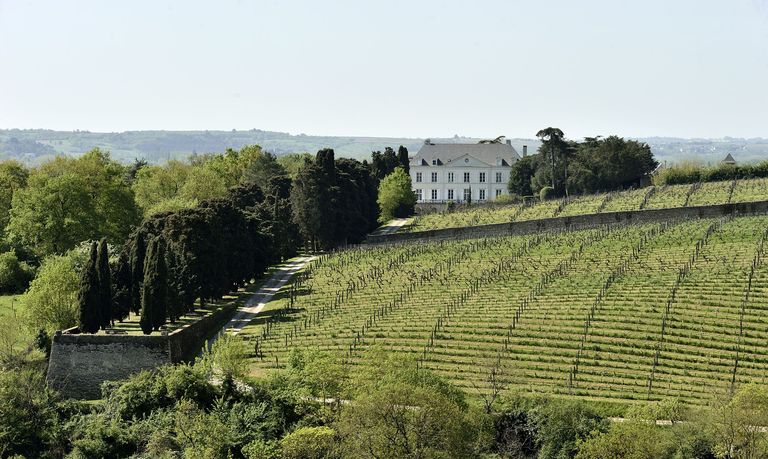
(458, 171)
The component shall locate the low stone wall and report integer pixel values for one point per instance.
(79, 363)
(577, 222)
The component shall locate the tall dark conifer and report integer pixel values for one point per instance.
(105, 284)
(403, 159)
(154, 288)
(89, 295)
(136, 260)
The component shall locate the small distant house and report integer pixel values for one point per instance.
(728, 160)
(462, 171)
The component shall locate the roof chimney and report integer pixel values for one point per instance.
(525, 151)
(509, 142)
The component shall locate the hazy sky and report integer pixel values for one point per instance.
(390, 68)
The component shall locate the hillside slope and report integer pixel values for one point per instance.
(617, 313)
(669, 196)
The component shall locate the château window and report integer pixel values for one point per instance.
(434, 177)
(450, 194)
(418, 177)
(466, 177)
(434, 195)
(482, 195)
(467, 194)
(498, 192)
(418, 195)
(450, 177)
(482, 177)
(498, 177)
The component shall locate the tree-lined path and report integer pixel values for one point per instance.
(264, 295)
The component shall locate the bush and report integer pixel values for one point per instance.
(147, 391)
(396, 198)
(51, 301)
(15, 276)
(547, 193)
(308, 443)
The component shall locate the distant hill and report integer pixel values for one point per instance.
(33, 146)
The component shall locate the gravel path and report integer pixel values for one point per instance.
(256, 302)
(391, 227)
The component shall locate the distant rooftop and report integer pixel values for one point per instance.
(491, 153)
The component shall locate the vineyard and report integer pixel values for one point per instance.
(634, 312)
(668, 196)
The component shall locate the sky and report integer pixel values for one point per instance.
(416, 68)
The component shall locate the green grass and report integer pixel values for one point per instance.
(530, 309)
(9, 303)
(661, 197)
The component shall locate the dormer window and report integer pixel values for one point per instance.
(434, 162)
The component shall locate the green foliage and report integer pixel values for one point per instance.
(736, 424)
(398, 413)
(15, 276)
(396, 197)
(260, 449)
(154, 185)
(13, 177)
(520, 176)
(609, 164)
(546, 193)
(561, 424)
(692, 172)
(29, 416)
(89, 295)
(71, 200)
(51, 302)
(309, 443)
(227, 358)
(630, 440)
(145, 392)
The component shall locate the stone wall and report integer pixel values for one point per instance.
(577, 222)
(79, 363)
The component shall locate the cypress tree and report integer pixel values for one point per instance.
(105, 284)
(154, 288)
(89, 295)
(136, 260)
(403, 159)
(122, 287)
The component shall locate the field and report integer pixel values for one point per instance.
(618, 314)
(644, 198)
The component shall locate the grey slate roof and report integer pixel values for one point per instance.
(447, 152)
(729, 159)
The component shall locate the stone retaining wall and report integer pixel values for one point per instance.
(79, 363)
(577, 222)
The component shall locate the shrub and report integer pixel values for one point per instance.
(547, 193)
(635, 440)
(396, 198)
(15, 276)
(28, 414)
(51, 301)
(146, 391)
(561, 424)
(259, 449)
(308, 443)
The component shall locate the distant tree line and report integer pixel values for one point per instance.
(562, 167)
